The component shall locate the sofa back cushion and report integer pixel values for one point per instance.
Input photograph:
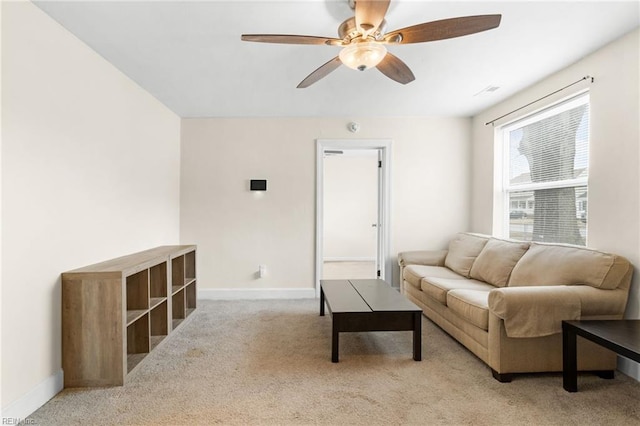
(496, 261)
(545, 264)
(463, 250)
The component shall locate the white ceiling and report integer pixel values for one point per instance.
(190, 57)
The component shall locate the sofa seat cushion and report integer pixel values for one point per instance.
(437, 288)
(463, 250)
(413, 274)
(496, 261)
(472, 305)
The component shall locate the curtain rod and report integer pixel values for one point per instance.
(539, 99)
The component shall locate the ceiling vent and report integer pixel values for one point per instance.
(487, 91)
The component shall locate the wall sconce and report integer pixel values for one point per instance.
(258, 185)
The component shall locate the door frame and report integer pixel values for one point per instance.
(384, 199)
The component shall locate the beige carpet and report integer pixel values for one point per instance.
(268, 362)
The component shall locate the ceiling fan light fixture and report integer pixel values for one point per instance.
(362, 56)
(363, 38)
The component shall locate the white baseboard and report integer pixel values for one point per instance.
(630, 368)
(22, 408)
(349, 259)
(255, 293)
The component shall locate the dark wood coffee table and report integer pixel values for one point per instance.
(621, 336)
(369, 305)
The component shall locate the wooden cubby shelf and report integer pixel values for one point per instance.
(115, 312)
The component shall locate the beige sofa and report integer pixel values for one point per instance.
(505, 300)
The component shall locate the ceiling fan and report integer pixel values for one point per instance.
(363, 39)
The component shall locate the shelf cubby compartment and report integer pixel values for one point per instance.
(159, 326)
(137, 341)
(178, 308)
(190, 294)
(137, 295)
(177, 273)
(158, 280)
(190, 267)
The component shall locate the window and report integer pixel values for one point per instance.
(546, 170)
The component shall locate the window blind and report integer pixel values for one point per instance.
(547, 172)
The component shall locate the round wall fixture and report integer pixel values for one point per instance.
(353, 127)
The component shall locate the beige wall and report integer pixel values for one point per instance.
(614, 180)
(237, 230)
(90, 171)
(350, 206)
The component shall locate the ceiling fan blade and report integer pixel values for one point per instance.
(443, 29)
(289, 39)
(395, 69)
(320, 73)
(370, 14)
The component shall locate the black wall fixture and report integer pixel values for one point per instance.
(258, 184)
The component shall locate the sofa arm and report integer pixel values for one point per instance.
(535, 311)
(422, 257)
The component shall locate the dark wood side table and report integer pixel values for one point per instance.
(621, 336)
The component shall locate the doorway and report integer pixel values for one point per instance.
(352, 209)
(350, 214)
